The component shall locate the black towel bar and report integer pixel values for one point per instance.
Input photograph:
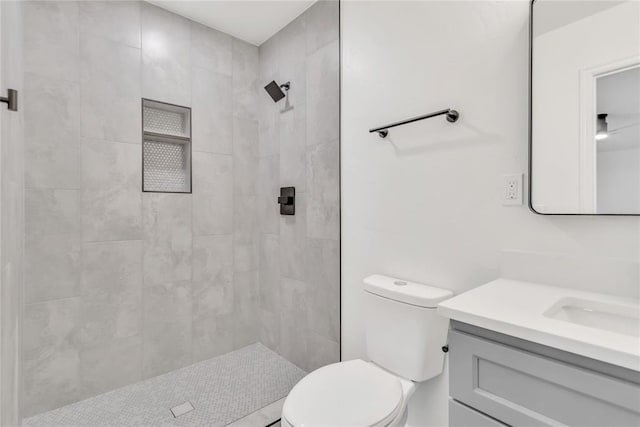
(383, 131)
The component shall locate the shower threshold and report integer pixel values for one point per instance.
(221, 390)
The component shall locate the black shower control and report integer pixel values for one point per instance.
(287, 200)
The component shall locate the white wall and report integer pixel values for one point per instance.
(424, 204)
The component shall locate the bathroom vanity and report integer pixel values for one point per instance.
(526, 354)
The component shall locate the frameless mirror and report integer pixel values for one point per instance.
(585, 107)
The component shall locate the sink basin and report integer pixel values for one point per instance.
(621, 319)
(598, 326)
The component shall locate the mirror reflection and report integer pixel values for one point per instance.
(617, 141)
(585, 115)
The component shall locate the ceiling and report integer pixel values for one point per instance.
(253, 21)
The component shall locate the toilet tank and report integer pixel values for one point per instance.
(404, 331)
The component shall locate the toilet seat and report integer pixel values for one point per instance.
(353, 393)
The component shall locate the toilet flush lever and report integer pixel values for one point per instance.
(11, 99)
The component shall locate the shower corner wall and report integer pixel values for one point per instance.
(122, 285)
(299, 262)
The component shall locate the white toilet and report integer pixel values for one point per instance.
(405, 336)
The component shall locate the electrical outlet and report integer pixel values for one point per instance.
(512, 189)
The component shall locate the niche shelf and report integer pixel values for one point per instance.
(166, 147)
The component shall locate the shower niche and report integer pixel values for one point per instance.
(166, 147)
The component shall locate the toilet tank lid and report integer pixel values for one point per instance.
(405, 291)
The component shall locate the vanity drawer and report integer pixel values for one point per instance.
(522, 388)
(463, 416)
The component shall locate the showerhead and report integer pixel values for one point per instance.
(275, 91)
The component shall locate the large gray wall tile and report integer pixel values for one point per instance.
(270, 329)
(293, 344)
(51, 39)
(211, 49)
(323, 191)
(212, 194)
(295, 302)
(118, 21)
(52, 267)
(269, 135)
(212, 336)
(323, 277)
(110, 90)
(320, 352)
(112, 292)
(245, 156)
(51, 132)
(245, 79)
(50, 357)
(268, 192)
(323, 23)
(52, 109)
(166, 56)
(111, 199)
(167, 327)
(167, 238)
(213, 259)
(212, 111)
(292, 45)
(245, 233)
(212, 275)
(323, 95)
(269, 272)
(52, 244)
(51, 211)
(245, 306)
(293, 132)
(268, 55)
(110, 366)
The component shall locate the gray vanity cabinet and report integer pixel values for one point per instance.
(461, 415)
(500, 380)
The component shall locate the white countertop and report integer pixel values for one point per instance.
(516, 308)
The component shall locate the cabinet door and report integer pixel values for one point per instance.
(524, 389)
(463, 416)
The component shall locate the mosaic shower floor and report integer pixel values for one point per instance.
(221, 390)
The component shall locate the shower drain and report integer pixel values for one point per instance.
(182, 409)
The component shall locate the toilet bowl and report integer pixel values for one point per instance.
(404, 335)
(353, 393)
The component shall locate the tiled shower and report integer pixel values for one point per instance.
(123, 285)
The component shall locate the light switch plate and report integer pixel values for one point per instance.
(512, 189)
